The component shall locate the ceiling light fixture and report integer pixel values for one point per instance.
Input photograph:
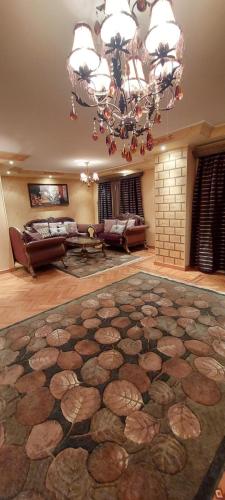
(11, 162)
(128, 80)
(163, 147)
(126, 172)
(8, 172)
(87, 177)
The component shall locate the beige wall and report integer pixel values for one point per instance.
(18, 207)
(149, 204)
(6, 260)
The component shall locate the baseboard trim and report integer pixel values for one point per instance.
(170, 266)
(10, 270)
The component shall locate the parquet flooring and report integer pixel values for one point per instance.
(22, 296)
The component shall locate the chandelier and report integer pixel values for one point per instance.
(129, 81)
(87, 178)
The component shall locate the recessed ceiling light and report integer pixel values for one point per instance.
(126, 172)
(8, 172)
(50, 176)
(163, 147)
(11, 162)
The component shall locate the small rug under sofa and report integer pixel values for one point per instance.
(95, 263)
(118, 395)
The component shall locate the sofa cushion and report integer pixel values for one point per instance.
(98, 228)
(44, 232)
(117, 229)
(138, 219)
(108, 223)
(130, 223)
(54, 231)
(82, 228)
(54, 225)
(71, 227)
(62, 230)
(38, 225)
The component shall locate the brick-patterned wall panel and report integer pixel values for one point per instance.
(170, 205)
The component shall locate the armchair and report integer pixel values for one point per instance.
(35, 253)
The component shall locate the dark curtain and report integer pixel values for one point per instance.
(115, 191)
(131, 196)
(104, 201)
(208, 215)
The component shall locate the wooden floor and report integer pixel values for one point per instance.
(22, 296)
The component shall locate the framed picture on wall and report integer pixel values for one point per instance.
(48, 195)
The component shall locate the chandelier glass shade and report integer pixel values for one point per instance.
(132, 76)
(101, 79)
(83, 53)
(163, 30)
(118, 20)
(87, 177)
(134, 81)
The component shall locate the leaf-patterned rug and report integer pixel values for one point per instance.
(95, 263)
(119, 395)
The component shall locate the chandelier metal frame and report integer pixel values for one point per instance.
(130, 104)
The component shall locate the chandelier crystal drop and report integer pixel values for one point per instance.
(87, 177)
(127, 75)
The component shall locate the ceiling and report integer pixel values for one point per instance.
(35, 40)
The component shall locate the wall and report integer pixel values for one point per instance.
(6, 259)
(149, 204)
(174, 180)
(18, 206)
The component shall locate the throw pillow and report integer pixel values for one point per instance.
(54, 231)
(44, 232)
(108, 223)
(71, 227)
(54, 225)
(117, 229)
(62, 230)
(121, 222)
(130, 223)
(38, 225)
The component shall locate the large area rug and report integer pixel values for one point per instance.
(119, 395)
(95, 263)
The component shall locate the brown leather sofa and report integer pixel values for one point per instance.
(131, 237)
(36, 253)
(134, 236)
(82, 228)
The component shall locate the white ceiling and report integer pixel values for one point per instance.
(35, 39)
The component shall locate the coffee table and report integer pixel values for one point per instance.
(84, 243)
